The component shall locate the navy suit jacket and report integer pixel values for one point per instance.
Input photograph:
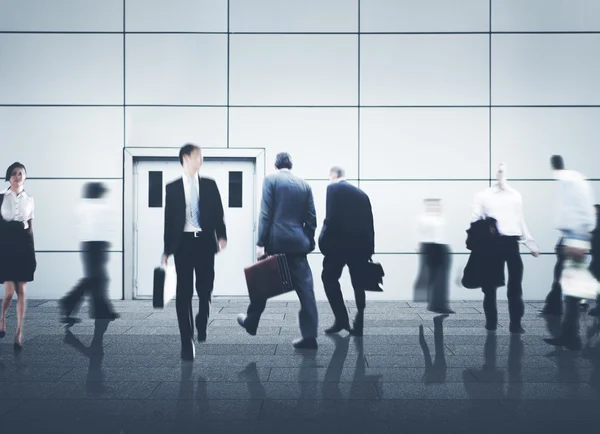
(288, 220)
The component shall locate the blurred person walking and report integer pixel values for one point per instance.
(95, 231)
(433, 281)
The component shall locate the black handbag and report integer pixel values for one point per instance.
(374, 276)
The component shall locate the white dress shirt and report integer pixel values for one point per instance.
(506, 206)
(431, 228)
(189, 226)
(96, 221)
(17, 207)
(575, 208)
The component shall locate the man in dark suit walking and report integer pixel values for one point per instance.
(194, 232)
(287, 225)
(347, 238)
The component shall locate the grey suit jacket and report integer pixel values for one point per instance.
(288, 220)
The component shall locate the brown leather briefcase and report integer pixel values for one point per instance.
(269, 277)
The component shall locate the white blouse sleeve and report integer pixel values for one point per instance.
(32, 208)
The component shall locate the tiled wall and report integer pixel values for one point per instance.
(414, 98)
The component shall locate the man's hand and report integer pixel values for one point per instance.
(260, 252)
(165, 260)
(535, 253)
(222, 244)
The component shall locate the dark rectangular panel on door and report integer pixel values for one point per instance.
(235, 189)
(155, 187)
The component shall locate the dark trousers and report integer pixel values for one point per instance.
(505, 251)
(95, 282)
(333, 265)
(195, 254)
(302, 279)
(554, 302)
(569, 329)
(437, 262)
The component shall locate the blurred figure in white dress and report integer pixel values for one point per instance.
(432, 284)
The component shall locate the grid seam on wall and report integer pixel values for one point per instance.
(358, 131)
(123, 152)
(490, 96)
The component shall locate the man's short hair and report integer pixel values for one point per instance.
(338, 171)
(94, 190)
(15, 165)
(283, 160)
(557, 162)
(187, 149)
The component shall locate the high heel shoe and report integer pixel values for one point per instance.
(3, 332)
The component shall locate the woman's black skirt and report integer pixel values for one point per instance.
(17, 253)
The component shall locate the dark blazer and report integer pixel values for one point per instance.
(288, 220)
(348, 226)
(480, 270)
(212, 218)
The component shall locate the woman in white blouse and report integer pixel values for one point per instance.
(17, 252)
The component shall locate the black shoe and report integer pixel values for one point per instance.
(70, 320)
(358, 325)
(516, 329)
(17, 347)
(491, 327)
(306, 344)
(188, 350)
(2, 334)
(441, 310)
(570, 344)
(337, 327)
(241, 319)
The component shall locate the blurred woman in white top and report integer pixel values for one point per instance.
(95, 231)
(434, 274)
(17, 251)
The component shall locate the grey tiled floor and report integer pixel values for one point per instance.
(383, 383)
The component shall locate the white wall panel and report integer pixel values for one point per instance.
(61, 69)
(424, 143)
(176, 69)
(549, 69)
(293, 70)
(293, 16)
(176, 15)
(316, 138)
(64, 142)
(56, 221)
(545, 15)
(525, 138)
(398, 204)
(539, 206)
(58, 272)
(319, 189)
(424, 16)
(424, 70)
(61, 15)
(174, 126)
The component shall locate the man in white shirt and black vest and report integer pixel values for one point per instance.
(194, 232)
(504, 204)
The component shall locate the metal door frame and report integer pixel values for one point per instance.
(132, 155)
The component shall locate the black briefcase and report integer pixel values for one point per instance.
(158, 293)
(164, 286)
(269, 277)
(374, 276)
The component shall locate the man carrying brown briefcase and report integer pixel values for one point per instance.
(287, 226)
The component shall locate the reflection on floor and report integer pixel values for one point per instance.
(411, 372)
